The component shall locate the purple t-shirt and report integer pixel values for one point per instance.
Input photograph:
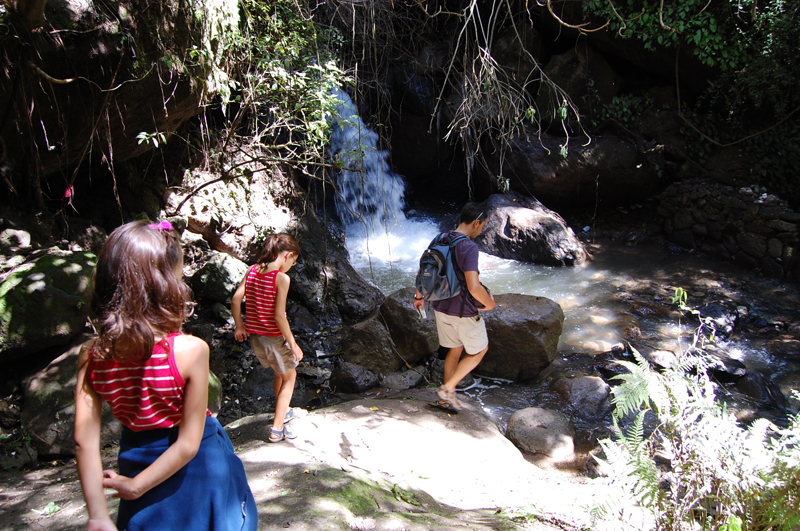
(466, 255)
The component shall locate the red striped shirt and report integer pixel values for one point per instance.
(142, 395)
(260, 291)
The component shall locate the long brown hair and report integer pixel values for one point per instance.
(138, 289)
(275, 245)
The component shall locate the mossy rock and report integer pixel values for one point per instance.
(43, 303)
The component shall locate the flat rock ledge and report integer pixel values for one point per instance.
(373, 464)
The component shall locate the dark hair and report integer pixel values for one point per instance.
(138, 289)
(472, 212)
(275, 245)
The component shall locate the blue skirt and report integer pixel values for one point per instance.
(209, 492)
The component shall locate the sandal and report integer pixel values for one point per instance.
(276, 435)
(290, 415)
(449, 397)
(288, 432)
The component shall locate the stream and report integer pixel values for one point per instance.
(624, 292)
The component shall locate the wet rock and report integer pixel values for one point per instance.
(758, 387)
(789, 384)
(352, 378)
(724, 368)
(660, 359)
(44, 302)
(719, 317)
(542, 431)
(785, 348)
(218, 279)
(414, 338)
(222, 313)
(369, 345)
(523, 336)
(400, 381)
(324, 281)
(588, 396)
(523, 229)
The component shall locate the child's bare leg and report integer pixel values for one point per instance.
(284, 387)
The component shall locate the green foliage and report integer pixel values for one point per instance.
(753, 44)
(287, 71)
(717, 475)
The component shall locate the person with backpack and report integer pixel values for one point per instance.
(457, 307)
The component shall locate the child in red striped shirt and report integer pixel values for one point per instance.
(265, 288)
(176, 467)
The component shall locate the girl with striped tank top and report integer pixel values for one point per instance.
(265, 288)
(177, 468)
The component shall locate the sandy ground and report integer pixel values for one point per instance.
(391, 463)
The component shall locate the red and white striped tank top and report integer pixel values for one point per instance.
(143, 395)
(259, 292)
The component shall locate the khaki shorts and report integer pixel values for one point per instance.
(469, 332)
(273, 352)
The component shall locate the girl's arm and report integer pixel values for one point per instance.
(191, 357)
(236, 309)
(88, 411)
(282, 282)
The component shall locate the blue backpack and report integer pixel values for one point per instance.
(438, 277)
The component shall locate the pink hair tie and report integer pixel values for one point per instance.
(161, 225)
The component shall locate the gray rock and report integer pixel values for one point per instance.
(44, 302)
(523, 229)
(400, 381)
(218, 279)
(588, 396)
(415, 339)
(523, 336)
(352, 378)
(369, 345)
(542, 431)
(759, 388)
(48, 412)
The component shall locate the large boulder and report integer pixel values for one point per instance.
(523, 333)
(588, 396)
(48, 412)
(325, 282)
(218, 279)
(523, 336)
(542, 431)
(43, 302)
(369, 344)
(520, 228)
(414, 338)
(608, 169)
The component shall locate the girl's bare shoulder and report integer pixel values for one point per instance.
(190, 346)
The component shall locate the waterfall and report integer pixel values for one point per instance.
(384, 246)
(370, 194)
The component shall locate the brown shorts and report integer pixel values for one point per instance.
(273, 352)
